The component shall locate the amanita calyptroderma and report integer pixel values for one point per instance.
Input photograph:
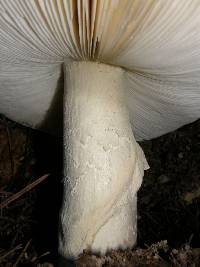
(128, 64)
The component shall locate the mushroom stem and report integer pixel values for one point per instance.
(103, 164)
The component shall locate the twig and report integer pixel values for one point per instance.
(23, 191)
(2, 257)
(22, 253)
(34, 259)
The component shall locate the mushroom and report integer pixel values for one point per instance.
(131, 72)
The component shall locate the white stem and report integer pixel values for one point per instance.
(103, 164)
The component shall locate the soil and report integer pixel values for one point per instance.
(168, 201)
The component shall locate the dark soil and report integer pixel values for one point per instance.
(168, 202)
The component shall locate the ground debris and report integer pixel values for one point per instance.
(156, 255)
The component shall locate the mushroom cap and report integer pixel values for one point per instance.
(156, 42)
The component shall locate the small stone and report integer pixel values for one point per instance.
(156, 257)
(89, 261)
(175, 251)
(46, 264)
(180, 155)
(187, 247)
(162, 179)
